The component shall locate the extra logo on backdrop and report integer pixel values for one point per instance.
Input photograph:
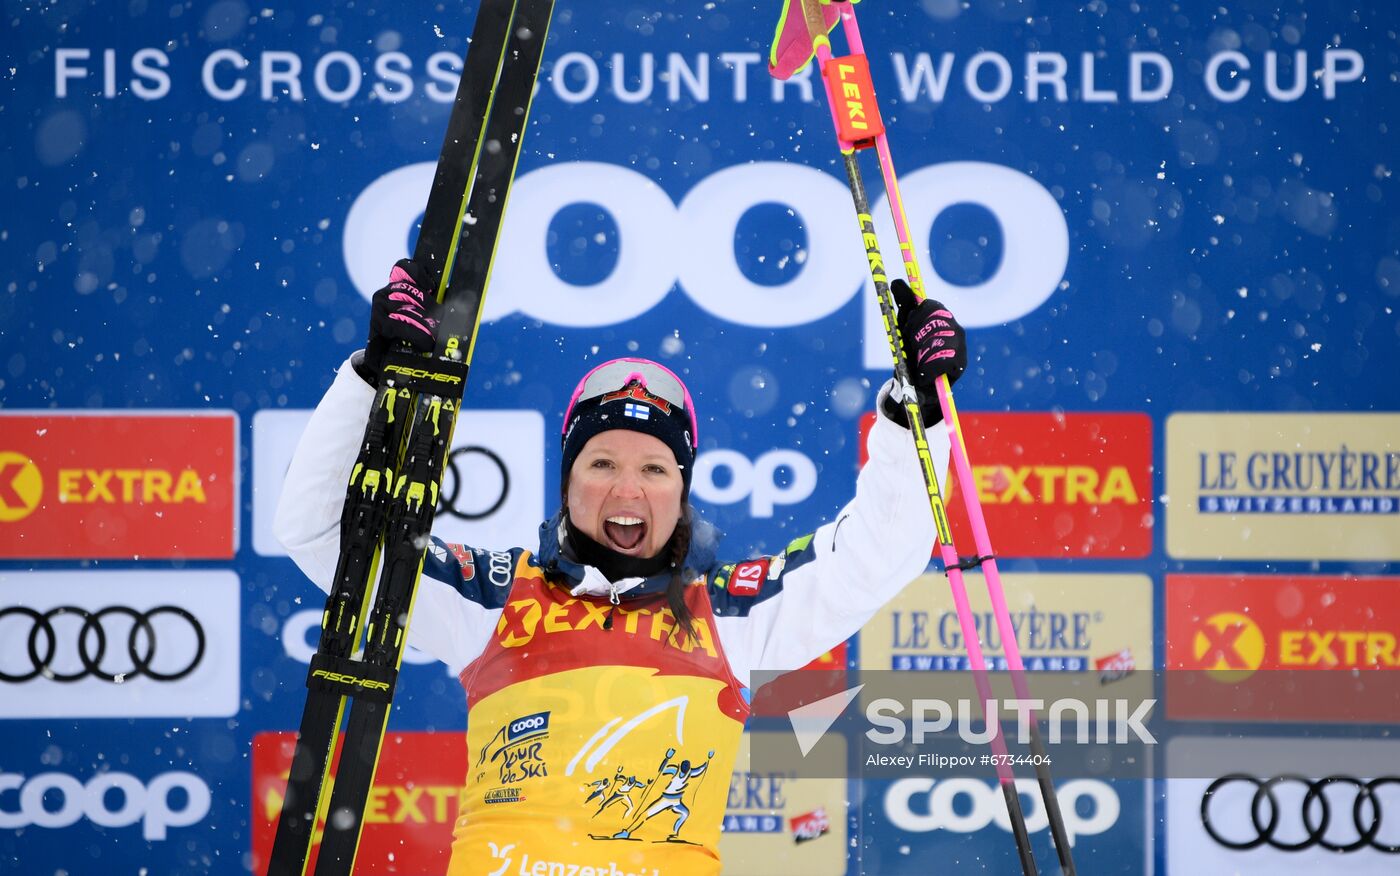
(1057, 485)
(101, 485)
(412, 804)
(1274, 647)
(772, 823)
(492, 490)
(1071, 623)
(1284, 486)
(122, 644)
(1283, 805)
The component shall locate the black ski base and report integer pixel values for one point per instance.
(393, 492)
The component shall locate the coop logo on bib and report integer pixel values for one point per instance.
(516, 753)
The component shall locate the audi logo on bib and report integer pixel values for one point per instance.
(130, 644)
(91, 642)
(1323, 815)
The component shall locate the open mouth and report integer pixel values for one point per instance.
(625, 534)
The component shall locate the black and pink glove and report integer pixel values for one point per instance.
(934, 345)
(400, 312)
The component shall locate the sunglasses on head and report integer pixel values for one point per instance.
(657, 380)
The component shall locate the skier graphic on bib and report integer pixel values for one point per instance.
(672, 795)
(620, 792)
(600, 787)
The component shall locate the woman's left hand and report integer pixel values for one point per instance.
(934, 346)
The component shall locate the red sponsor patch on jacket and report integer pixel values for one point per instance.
(748, 577)
(464, 556)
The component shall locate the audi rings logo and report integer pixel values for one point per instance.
(1322, 814)
(480, 469)
(96, 640)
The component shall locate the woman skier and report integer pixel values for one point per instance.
(620, 641)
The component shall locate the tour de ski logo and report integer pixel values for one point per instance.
(654, 810)
(515, 753)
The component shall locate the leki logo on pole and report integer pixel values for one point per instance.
(857, 114)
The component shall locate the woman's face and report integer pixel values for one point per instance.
(625, 492)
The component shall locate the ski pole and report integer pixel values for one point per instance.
(961, 464)
(861, 116)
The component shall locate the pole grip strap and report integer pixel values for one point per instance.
(965, 563)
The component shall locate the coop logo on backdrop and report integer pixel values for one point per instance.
(1260, 486)
(492, 490)
(128, 644)
(118, 485)
(662, 243)
(961, 805)
(777, 477)
(302, 629)
(112, 799)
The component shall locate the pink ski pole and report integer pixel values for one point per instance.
(855, 114)
(861, 115)
(961, 464)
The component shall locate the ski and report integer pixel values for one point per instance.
(802, 34)
(430, 436)
(400, 462)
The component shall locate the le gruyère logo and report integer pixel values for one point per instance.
(1341, 481)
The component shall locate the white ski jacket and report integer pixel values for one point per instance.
(776, 612)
